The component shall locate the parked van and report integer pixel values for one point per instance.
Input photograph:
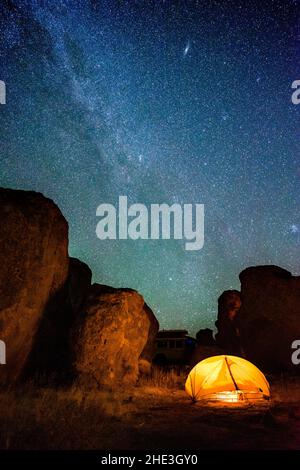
(173, 347)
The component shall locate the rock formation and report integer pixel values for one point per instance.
(228, 337)
(34, 269)
(79, 283)
(205, 337)
(46, 298)
(206, 347)
(51, 353)
(270, 316)
(145, 360)
(113, 330)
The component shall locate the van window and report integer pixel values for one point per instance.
(162, 344)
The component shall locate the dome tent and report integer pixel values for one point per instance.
(226, 378)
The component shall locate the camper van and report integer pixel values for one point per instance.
(173, 347)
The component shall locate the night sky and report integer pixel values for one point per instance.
(163, 102)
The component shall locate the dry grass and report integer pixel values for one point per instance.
(145, 416)
(285, 389)
(164, 378)
(59, 419)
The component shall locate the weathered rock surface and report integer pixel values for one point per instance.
(51, 354)
(227, 337)
(34, 268)
(145, 360)
(229, 304)
(79, 283)
(110, 335)
(269, 317)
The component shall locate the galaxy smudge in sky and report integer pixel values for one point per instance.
(186, 102)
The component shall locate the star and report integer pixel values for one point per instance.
(294, 228)
(128, 121)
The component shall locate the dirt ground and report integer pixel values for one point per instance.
(147, 417)
(173, 422)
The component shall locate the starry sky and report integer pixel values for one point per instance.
(161, 101)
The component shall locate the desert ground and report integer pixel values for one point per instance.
(155, 415)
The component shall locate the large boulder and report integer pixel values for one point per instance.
(229, 304)
(145, 360)
(34, 268)
(205, 337)
(79, 283)
(51, 354)
(110, 336)
(228, 337)
(270, 316)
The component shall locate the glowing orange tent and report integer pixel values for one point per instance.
(226, 378)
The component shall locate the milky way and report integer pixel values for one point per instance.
(162, 102)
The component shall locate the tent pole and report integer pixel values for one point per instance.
(235, 384)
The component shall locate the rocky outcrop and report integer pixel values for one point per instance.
(34, 268)
(205, 347)
(205, 337)
(270, 316)
(79, 283)
(110, 336)
(46, 298)
(228, 336)
(148, 352)
(229, 304)
(51, 355)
